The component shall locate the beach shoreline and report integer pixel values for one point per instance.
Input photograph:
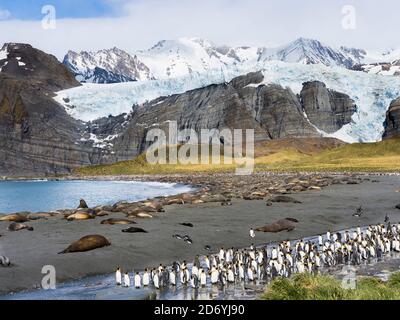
(215, 225)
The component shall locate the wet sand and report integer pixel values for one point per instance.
(214, 225)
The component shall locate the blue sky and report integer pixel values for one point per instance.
(138, 24)
(31, 9)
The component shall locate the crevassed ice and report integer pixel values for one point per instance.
(372, 93)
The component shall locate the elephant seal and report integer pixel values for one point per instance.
(87, 243)
(14, 217)
(143, 215)
(16, 226)
(287, 224)
(82, 204)
(134, 230)
(398, 206)
(79, 216)
(4, 261)
(113, 221)
(39, 215)
(102, 213)
(284, 199)
(155, 205)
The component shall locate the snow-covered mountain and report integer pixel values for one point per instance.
(308, 51)
(176, 66)
(106, 66)
(176, 58)
(185, 56)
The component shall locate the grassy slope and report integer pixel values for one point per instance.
(284, 155)
(380, 156)
(308, 287)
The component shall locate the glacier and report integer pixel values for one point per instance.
(372, 93)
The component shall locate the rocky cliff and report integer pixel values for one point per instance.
(392, 122)
(328, 110)
(37, 136)
(272, 111)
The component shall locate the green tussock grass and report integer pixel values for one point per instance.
(322, 287)
(381, 156)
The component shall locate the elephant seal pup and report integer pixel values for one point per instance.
(155, 205)
(39, 215)
(143, 215)
(80, 216)
(14, 217)
(16, 226)
(4, 261)
(113, 221)
(398, 206)
(87, 243)
(102, 213)
(134, 230)
(284, 199)
(287, 224)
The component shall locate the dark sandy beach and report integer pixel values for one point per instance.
(214, 225)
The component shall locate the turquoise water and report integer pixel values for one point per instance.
(38, 196)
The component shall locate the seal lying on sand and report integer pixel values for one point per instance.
(134, 230)
(113, 221)
(4, 261)
(15, 217)
(16, 226)
(398, 206)
(285, 199)
(155, 205)
(287, 224)
(87, 243)
(80, 216)
(40, 215)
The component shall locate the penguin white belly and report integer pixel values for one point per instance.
(241, 273)
(118, 278)
(195, 271)
(137, 281)
(172, 278)
(250, 274)
(231, 276)
(127, 281)
(214, 277)
(156, 281)
(203, 279)
(146, 279)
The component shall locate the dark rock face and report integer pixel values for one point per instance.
(37, 136)
(272, 111)
(392, 122)
(327, 109)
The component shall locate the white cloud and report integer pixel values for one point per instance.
(4, 14)
(232, 22)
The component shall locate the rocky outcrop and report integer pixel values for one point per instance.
(272, 111)
(392, 122)
(327, 109)
(37, 136)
